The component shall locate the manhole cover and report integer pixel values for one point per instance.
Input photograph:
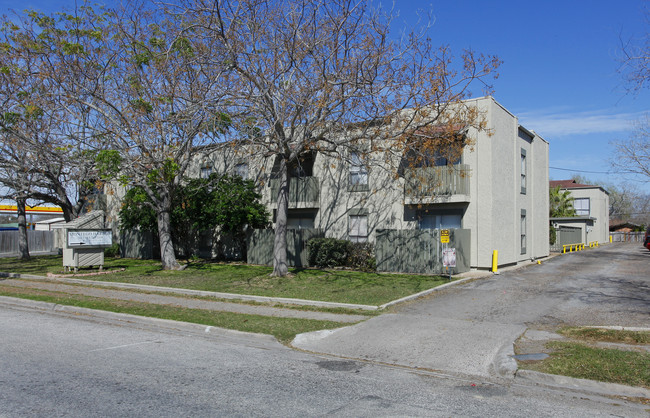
(339, 366)
(530, 357)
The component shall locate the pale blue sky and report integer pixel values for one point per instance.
(559, 72)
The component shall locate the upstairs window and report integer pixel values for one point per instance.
(241, 170)
(358, 173)
(581, 205)
(205, 172)
(523, 171)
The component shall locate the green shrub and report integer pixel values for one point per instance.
(362, 256)
(112, 251)
(552, 235)
(328, 252)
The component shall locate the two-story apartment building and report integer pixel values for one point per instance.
(591, 204)
(498, 190)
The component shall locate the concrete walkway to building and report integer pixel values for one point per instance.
(471, 328)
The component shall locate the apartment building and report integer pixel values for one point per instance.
(498, 190)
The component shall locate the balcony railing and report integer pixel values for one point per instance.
(421, 183)
(302, 190)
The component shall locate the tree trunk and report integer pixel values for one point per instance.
(280, 243)
(167, 255)
(23, 245)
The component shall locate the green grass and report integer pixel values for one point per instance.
(325, 285)
(607, 335)
(284, 329)
(605, 365)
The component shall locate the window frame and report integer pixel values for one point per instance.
(578, 210)
(205, 169)
(522, 231)
(357, 170)
(523, 170)
(237, 170)
(358, 236)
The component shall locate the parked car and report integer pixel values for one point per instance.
(646, 239)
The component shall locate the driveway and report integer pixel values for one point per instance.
(470, 328)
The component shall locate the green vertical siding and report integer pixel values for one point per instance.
(301, 189)
(420, 251)
(260, 246)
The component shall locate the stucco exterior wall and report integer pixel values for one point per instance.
(491, 210)
(598, 211)
(496, 202)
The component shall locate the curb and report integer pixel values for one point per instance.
(234, 296)
(428, 292)
(585, 385)
(128, 319)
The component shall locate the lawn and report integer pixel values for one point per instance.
(583, 358)
(344, 286)
(284, 329)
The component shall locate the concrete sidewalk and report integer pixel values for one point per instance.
(471, 328)
(178, 300)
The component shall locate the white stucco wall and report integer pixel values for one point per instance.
(598, 211)
(492, 210)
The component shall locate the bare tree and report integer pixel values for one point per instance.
(327, 76)
(154, 101)
(632, 155)
(635, 61)
(40, 138)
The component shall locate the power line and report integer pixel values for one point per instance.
(591, 172)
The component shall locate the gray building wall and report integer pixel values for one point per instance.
(491, 209)
(595, 226)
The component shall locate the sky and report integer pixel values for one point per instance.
(559, 73)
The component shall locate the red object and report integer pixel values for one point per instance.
(646, 239)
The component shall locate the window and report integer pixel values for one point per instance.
(446, 221)
(358, 173)
(523, 171)
(358, 228)
(523, 231)
(241, 170)
(300, 222)
(205, 172)
(581, 205)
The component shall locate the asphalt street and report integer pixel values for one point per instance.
(471, 328)
(56, 364)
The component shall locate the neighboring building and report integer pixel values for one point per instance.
(592, 211)
(498, 191)
(623, 226)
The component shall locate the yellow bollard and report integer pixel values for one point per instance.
(495, 259)
(610, 239)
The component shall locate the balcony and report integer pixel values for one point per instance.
(304, 192)
(437, 184)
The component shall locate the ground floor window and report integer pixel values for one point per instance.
(358, 228)
(523, 231)
(435, 221)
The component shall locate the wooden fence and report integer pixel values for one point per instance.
(259, 244)
(627, 236)
(421, 250)
(38, 241)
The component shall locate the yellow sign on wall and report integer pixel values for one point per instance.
(444, 236)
